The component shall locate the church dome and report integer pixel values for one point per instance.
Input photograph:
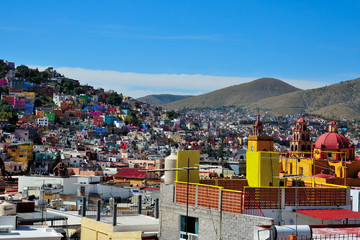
(332, 140)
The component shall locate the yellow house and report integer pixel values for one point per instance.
(22, 152)
(29, 95)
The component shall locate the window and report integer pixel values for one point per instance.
(192, 229)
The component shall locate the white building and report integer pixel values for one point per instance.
(76, 162)
(59, 98)
(42, 122)
(67, 184)
(119, 124)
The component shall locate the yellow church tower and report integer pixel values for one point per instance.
(262, 164)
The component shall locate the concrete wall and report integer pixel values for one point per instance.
(213, 224)
(241, 226)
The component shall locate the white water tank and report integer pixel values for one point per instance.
(170, 162)
(284, 232)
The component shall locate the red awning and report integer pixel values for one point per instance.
(330, 214)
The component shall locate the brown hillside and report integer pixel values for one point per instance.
(237, 95)
(335, 101)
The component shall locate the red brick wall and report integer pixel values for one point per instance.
(233, 184)
(315, 196)
(208, 197)
(231, 202)
(181, 194)
(265, 198)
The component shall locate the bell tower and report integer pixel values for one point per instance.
(258, 127)
(300, 139)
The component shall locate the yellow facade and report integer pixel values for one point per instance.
(21, 153)
(188, 158)
(94, 230)
(262, 168)
(297, 166)
(308, 167)
(29, 95)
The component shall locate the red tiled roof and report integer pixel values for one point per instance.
(330, 214)
(131, 173)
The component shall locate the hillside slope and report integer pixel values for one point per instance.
(162, 99)
(237, 95)
(335, 101)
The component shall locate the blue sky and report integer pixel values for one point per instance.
(185, 47)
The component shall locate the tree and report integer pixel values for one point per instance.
(67, 86)
(133, 119)
(114, 99)
(123, 131)
(43, 100)
(7, 112)
(78, 91)
(4, 69)
(172, 114)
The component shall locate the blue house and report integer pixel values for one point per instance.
(109, 120)
(29, 108)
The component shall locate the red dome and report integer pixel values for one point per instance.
(332, 140)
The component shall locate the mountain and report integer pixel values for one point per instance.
(162, 99)
(334, 101)
(237, 95)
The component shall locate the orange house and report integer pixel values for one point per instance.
(40, 114)
(64, 105)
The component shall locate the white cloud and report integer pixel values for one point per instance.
(141, 84)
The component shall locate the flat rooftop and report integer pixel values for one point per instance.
(130, 223)
(32, 232)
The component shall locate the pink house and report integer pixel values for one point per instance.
(95, 114)
(3, 82)
(19, 103)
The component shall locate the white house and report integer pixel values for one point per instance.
(42, 122)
